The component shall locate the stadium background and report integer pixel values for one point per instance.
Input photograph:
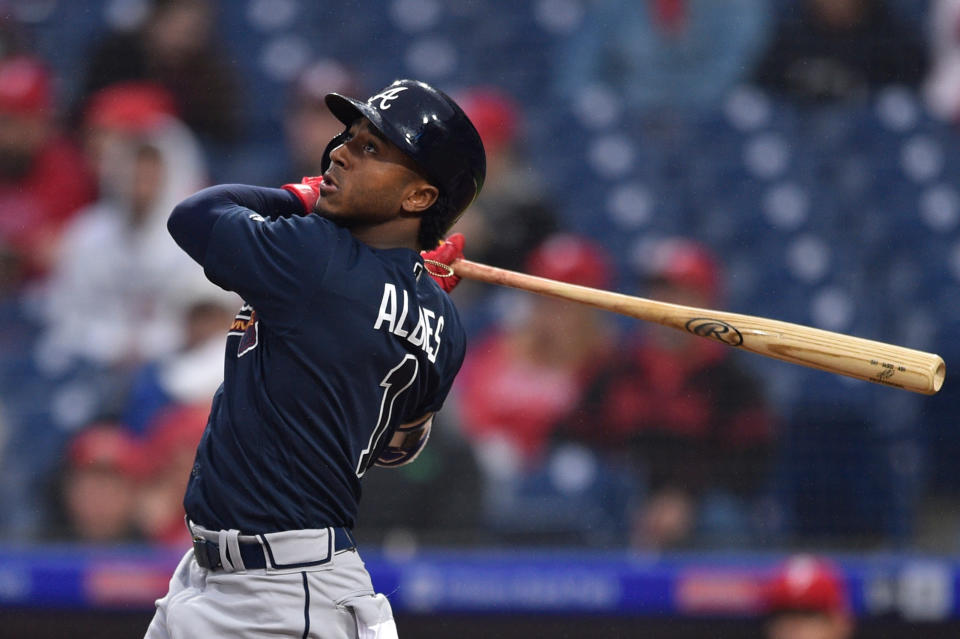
(842, 214)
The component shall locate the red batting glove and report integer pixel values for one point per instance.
(308, 191)
(450, 250)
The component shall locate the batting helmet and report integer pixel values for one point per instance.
(432, 129)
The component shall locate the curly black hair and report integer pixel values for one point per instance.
(435, 222)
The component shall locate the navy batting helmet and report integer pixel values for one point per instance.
(431, 128)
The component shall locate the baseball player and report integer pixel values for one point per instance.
(344, 349)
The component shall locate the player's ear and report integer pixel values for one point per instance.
(420, 196)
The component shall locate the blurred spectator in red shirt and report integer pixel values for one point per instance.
(520, 380)
(170, 444)
(841, 49)
(43, 178)
(806, 598)
(176, 47)
(679, 410)
(99, 487)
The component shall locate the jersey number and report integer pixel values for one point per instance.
(395, 382)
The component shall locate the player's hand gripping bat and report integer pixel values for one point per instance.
(865, 359)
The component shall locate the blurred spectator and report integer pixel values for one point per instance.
(679, 410)
(116, 115)
(522, 378)
(512, 213)
(942, 86)
(663, 54)
(171, 445)
(114, 298)
(841, 49)
(192, 373)
(50, 392)
(309, 125)
(176, 46)
(518, 381)
(806, 598)
(43, 179)
(99, 485)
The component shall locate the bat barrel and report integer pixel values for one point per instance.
(939, 374)
(856, 357)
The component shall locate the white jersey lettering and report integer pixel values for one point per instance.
(425, 334)
(388, 308)
(400, 331)
(416, 337)
(432, 356)
(428, 334)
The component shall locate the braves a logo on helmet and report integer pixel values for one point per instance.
(246, 326)
(386, 97)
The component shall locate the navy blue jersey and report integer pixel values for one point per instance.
(337, 344)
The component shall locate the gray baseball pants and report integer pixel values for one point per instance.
(332, 601)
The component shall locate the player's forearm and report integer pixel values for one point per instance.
(191, 222)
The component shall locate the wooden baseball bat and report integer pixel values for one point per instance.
(865, 359)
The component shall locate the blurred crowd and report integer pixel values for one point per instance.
(566, 425)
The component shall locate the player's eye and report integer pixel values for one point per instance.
(370, 147)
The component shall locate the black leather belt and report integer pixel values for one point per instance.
(207, 551)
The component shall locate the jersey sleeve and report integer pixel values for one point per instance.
(191, 222)
(272, 264)
(248, 241)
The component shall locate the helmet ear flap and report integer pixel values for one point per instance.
(334, 143)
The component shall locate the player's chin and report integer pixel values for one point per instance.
(326, 208)
(337, 214)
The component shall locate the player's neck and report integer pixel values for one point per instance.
(397, 233)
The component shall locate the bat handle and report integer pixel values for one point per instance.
(480, 272)
(494, 275)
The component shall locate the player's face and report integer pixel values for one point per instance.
(369, 180)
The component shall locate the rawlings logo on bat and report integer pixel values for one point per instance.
(708, 327)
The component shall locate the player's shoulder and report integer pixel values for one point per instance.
(443, 299)
(306, 223)
(444, 306)
(411, 271)
(411, 306)
(309, 234)
(428, 288)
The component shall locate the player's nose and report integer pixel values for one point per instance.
(339, 155)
